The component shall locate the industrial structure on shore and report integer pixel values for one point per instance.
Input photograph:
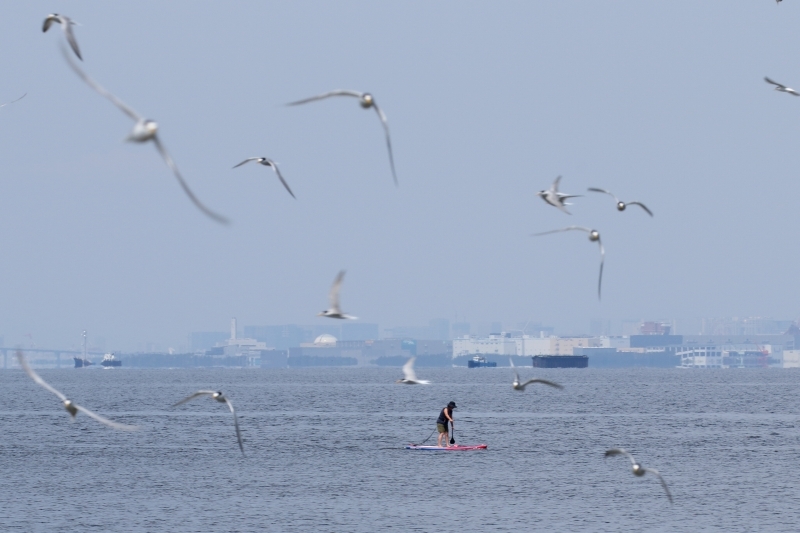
(728, 344)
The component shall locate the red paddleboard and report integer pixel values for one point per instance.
(453, 448)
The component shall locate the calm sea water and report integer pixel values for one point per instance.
(324, 451)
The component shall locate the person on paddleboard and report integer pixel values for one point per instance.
(441, 423)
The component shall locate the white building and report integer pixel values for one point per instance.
(791, 359)
(504, 344)
(727, 356)
(248, 347)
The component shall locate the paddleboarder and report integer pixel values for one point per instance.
(441, 423)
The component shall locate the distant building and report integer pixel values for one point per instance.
(791, 359)
(505, 343)
(459, 329)
(436, 329)
(359, 331)
(291, 335)
(200, 341)
(326, 350)
(744, 326)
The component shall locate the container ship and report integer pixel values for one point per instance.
(560, 361)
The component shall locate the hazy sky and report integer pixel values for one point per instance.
(487, 102)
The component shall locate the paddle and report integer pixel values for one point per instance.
(452, 433)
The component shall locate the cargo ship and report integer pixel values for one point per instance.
(109, 361)
(480, 362)
(81, 362)
(560, 361)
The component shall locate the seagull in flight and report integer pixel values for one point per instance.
(366, 100)
(335, 310)
(594, 236)
(411, 376)
(72, 408)
(216, 395)
(144, 130)
(516, 385)
(620, 204)
(66, 26)
(555, 198)
(639, 470)
(782, 88)
(267, 162)
(12, 101)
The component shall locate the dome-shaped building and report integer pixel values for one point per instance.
(325, 340)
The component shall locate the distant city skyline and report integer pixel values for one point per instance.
(291, 335)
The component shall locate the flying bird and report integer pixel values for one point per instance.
(216, 395)
(639, 470)
(411, 376)
(555, 198)
(782, 88)
(267, 162)
(335, 310)
(144, 130)
(594, 235)
(71, 407)
(12, 101)
(66, 26)
(516, 385)
(366, 100)
(620, 204)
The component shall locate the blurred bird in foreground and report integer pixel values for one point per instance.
(639, 470)
(144, 130)
(71, 407)
(216, 395)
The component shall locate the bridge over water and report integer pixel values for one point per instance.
(31, 354)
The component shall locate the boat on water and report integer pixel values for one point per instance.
(480, 362)
(109, 361)
(453, 448)
(81, 362)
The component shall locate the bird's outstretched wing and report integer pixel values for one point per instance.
(619, 451)
(544, 381)
(514, 368)
(568, 228)
(280, 176)
(66, 25)
(661, 479)
(161, 150)
(560, 206)
(247, 161)
(388, 139)
(99, 88)
(17, 100)
(766, 79)
(602, 260)
(640, 204)
(408, 370)
(236, 424)
(195, 395)
(333, 296)
(106, 421)
(36, 377)
(554, 186)
(338, 92)
(595, 189)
